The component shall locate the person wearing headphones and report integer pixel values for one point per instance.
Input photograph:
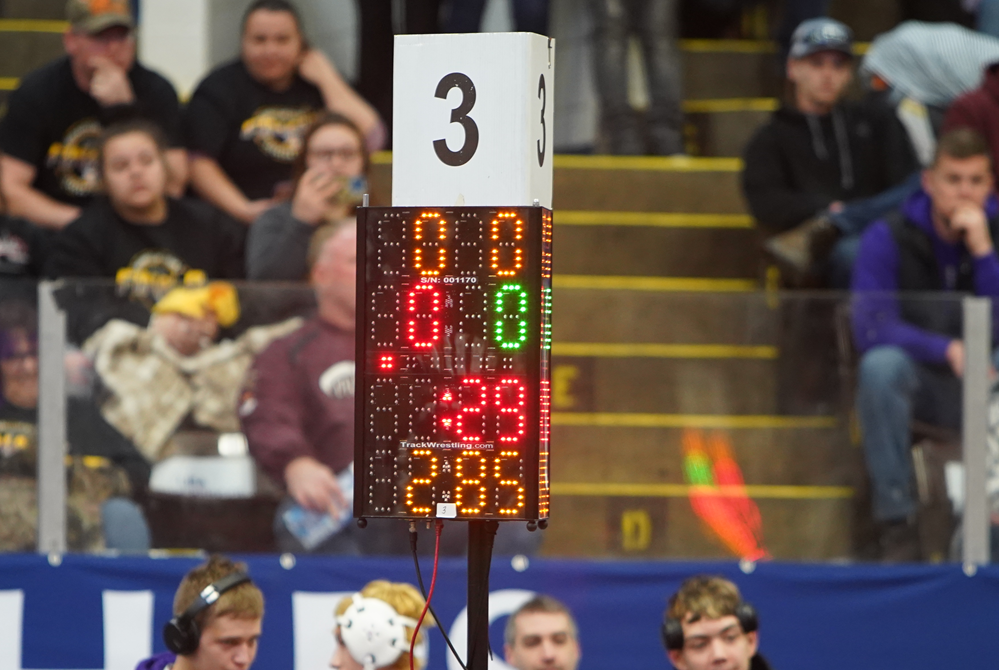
(218, 612)
(375, 626)
(707, 625)
(542, 635)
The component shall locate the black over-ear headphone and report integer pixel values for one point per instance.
(672, 629)
(181, 634)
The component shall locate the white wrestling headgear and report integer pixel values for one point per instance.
(375, 634)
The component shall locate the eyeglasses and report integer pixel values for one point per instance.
(343, 153)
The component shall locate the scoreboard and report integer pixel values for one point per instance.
(453, 355)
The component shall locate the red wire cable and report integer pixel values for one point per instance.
(438, 527)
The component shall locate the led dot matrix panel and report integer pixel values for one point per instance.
(453, 350)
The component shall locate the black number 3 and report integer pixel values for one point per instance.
(543, 142)
(458, 115)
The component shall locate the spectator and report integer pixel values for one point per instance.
(542, 634)
(54, 119)
(375, 627)
(378, 21)
(529, 16)
(104, 468)
(708, 625)
(941, 240)
(139, 235)
(656, 23)
(298, 412)
(245, 121)
(329, 183)
(23, 245)
(175, 374)
(217, 616)
(923, 68)
(821, 169)
(979, 110)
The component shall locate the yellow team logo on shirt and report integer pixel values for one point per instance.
(74, 159)
(278, 131)
(152, 273)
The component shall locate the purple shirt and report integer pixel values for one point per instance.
(877, 319)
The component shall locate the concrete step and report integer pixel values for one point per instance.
(621, 491)
(624, 184)
(33, 9)
(648, 184)
(721, 127)
(655, 527)
(22, 52)
(801, 451)
(678, 246)
(637, 316)
(729, 69)
(665, 388)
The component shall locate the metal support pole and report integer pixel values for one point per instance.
(481, 535)
(977, 362)
(51, 422)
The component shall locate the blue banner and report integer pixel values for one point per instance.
(88, 613)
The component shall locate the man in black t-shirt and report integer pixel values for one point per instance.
(49, 133)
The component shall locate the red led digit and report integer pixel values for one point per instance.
(423, 305)
(430, 248)
(469, 425)
(471, 471)
(386, 363)
(511, 418)
(509, 486)
(506, 257)
(419, 491)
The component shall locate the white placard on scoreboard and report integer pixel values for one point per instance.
(472, 119)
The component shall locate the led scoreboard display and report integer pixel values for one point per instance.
(453, 354)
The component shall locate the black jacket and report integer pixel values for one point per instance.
(797, 164)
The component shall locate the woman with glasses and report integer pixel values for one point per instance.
(328, 185)
(245, 122)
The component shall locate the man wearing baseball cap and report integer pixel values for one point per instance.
(48, 138)
(822, 168)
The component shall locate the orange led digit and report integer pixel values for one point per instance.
(453, 363)
(438, 242)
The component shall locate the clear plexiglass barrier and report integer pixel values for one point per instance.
(792, 426)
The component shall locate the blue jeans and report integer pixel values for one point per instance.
(988, 18)
(853, 221)
(125, 527)
(893, 389)
(656, 23)
(529, 16)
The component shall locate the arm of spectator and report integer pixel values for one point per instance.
(214, 185)
(314, 486)
(277, 246)
(23, 200)
(110, 86)
(876, 313)
(273, 413)
(772, 199)
(177, 163)
(339, 97)
(73, 254)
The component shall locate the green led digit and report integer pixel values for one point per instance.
(511, 324)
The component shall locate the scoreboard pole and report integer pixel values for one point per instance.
(480, 549)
